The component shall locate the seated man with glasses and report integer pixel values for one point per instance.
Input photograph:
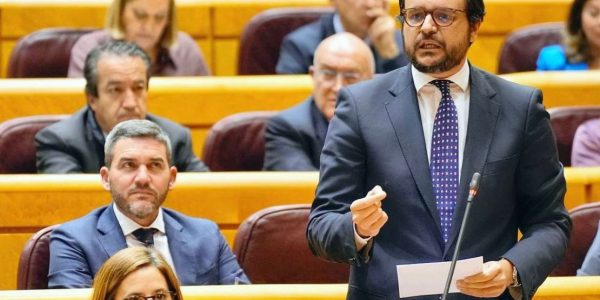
(294, 138)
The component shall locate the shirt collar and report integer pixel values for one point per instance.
(337, 23)
(460, 78)
(128, 225)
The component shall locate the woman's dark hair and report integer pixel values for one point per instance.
(576, 44)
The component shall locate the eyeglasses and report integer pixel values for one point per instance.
(442, 17)
(331, 76)
(158, 296)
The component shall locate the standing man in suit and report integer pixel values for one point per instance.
(367, 19)
(138, 173)
(395, 169)
(294, 138)
(117, 75)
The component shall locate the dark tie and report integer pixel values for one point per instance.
(145, 235)
(444, 157)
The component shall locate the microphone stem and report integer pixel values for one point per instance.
(457, 249)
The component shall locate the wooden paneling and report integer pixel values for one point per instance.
(554, 288)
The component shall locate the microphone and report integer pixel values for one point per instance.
(473, 189)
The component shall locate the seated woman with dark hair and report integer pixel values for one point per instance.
(581, 49)
(136, 273)
(151, 24)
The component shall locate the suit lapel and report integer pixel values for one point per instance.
(483, 114)
(111, 236)
(404, 115)
(182, 253)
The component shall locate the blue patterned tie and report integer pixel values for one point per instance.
(444, 157)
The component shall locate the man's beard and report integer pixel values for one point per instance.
(139, 209)
(452, 57)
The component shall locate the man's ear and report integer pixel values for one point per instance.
(105, 178)
(473, 31)
(91, 100)
(173, 174)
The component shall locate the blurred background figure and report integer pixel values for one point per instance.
(581, 49)
(586, 145)
(295, 137)
(152, 25)
(136, 273)
(117, 76)
(367, 19)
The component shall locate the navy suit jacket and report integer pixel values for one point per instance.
(298, 48)
(70, 146)
(376, 138)
(200, 253)
(291, 140)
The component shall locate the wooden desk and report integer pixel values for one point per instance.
(554, 288)
(217, 25)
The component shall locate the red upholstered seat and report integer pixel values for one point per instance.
(34, 261)
(565, 121)
(44, 53)
(522, 46)
(271, 247)
(237, 142)
(585, 225)
(261, 39)
(17, 142)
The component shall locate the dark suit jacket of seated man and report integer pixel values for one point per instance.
(76, 145)
(117, 75)
(138, 175)
(294, 138)
(298, 47)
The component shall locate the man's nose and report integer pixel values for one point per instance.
(142, 177)
(338, 84)
(129, 100)
(428, 25)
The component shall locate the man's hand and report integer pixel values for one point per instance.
(381, 32)
(367, 214)
(491, 282)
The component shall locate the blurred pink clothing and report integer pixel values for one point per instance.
(586, 145)
(182, 59)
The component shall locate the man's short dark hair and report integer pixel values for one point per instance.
(475, 10)
(115, 48)
(135, 129)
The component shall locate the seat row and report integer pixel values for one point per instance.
(239, 131)
(210, 24)
(266, 240)
(259, 45)
(32, 202)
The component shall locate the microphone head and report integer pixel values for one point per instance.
(474, 185)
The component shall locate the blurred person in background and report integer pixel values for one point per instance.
(136, 273)
(581, 49)
(295, 137)
(117, 77)
(367, 19)
(152, 25)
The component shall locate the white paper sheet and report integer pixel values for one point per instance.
(430, 278)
